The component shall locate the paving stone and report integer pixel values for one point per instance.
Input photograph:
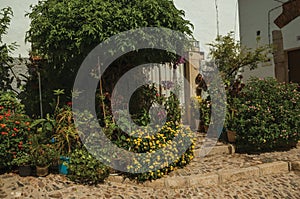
(55, 195)
(203, 180)
(273, 168)
(240, 174)
(295, 166)
(176, 182)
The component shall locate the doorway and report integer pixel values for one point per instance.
(294, 66)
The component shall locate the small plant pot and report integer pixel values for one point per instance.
(231, 136)
(54, 167)
(42, 171)
(63, 166)
(24, 170)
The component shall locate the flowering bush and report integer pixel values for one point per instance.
(201, 109)
(14, 129)
(150, 143)
(268, 115)
(150, 139)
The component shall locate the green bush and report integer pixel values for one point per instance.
(84, 168)
(141, 141)
(268, 115)
(14, 129)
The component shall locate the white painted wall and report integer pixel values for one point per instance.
(19, 24)
(253, 16)
(202, 13)
(290, 33)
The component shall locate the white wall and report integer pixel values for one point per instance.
(202, 13)
(290, 33)
(253, 16)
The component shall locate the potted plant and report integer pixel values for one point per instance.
(195, 110)
(43, 156)
(23, 161)
(230, 124)
(66, 137)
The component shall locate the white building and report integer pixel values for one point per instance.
(277, 22)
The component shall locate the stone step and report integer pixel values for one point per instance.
(216, 178)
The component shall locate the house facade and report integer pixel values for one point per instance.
(277, 23)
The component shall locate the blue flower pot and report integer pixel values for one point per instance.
(63, 168)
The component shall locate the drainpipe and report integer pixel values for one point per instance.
(40, 93)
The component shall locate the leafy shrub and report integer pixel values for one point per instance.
(63, 47)
(268, 115)
(141, 141)
(14, 128)
(84, 168)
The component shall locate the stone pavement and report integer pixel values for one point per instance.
(218, 175)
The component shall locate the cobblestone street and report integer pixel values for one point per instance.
(279, 184)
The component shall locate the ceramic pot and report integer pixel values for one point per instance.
(42, 171)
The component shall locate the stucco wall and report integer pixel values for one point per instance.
(253, 16)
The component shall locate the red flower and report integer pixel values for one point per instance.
(1, 117)
(13, 135)
(4, 133)
(3, 125)
(1, 107)
(17, 122)
(15, 129)
(7, 114)
(69, 104)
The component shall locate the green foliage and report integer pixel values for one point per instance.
(5, 49)
(66, 135)
(231, 56)
(63, 38)
(14, 128)
(201, 108)
(84, 168)
(42, 153)
(141, 141)
(44, 127)
(268, 115)
(22, 159)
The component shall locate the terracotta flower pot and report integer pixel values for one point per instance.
(231, 136)
(42, 171)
